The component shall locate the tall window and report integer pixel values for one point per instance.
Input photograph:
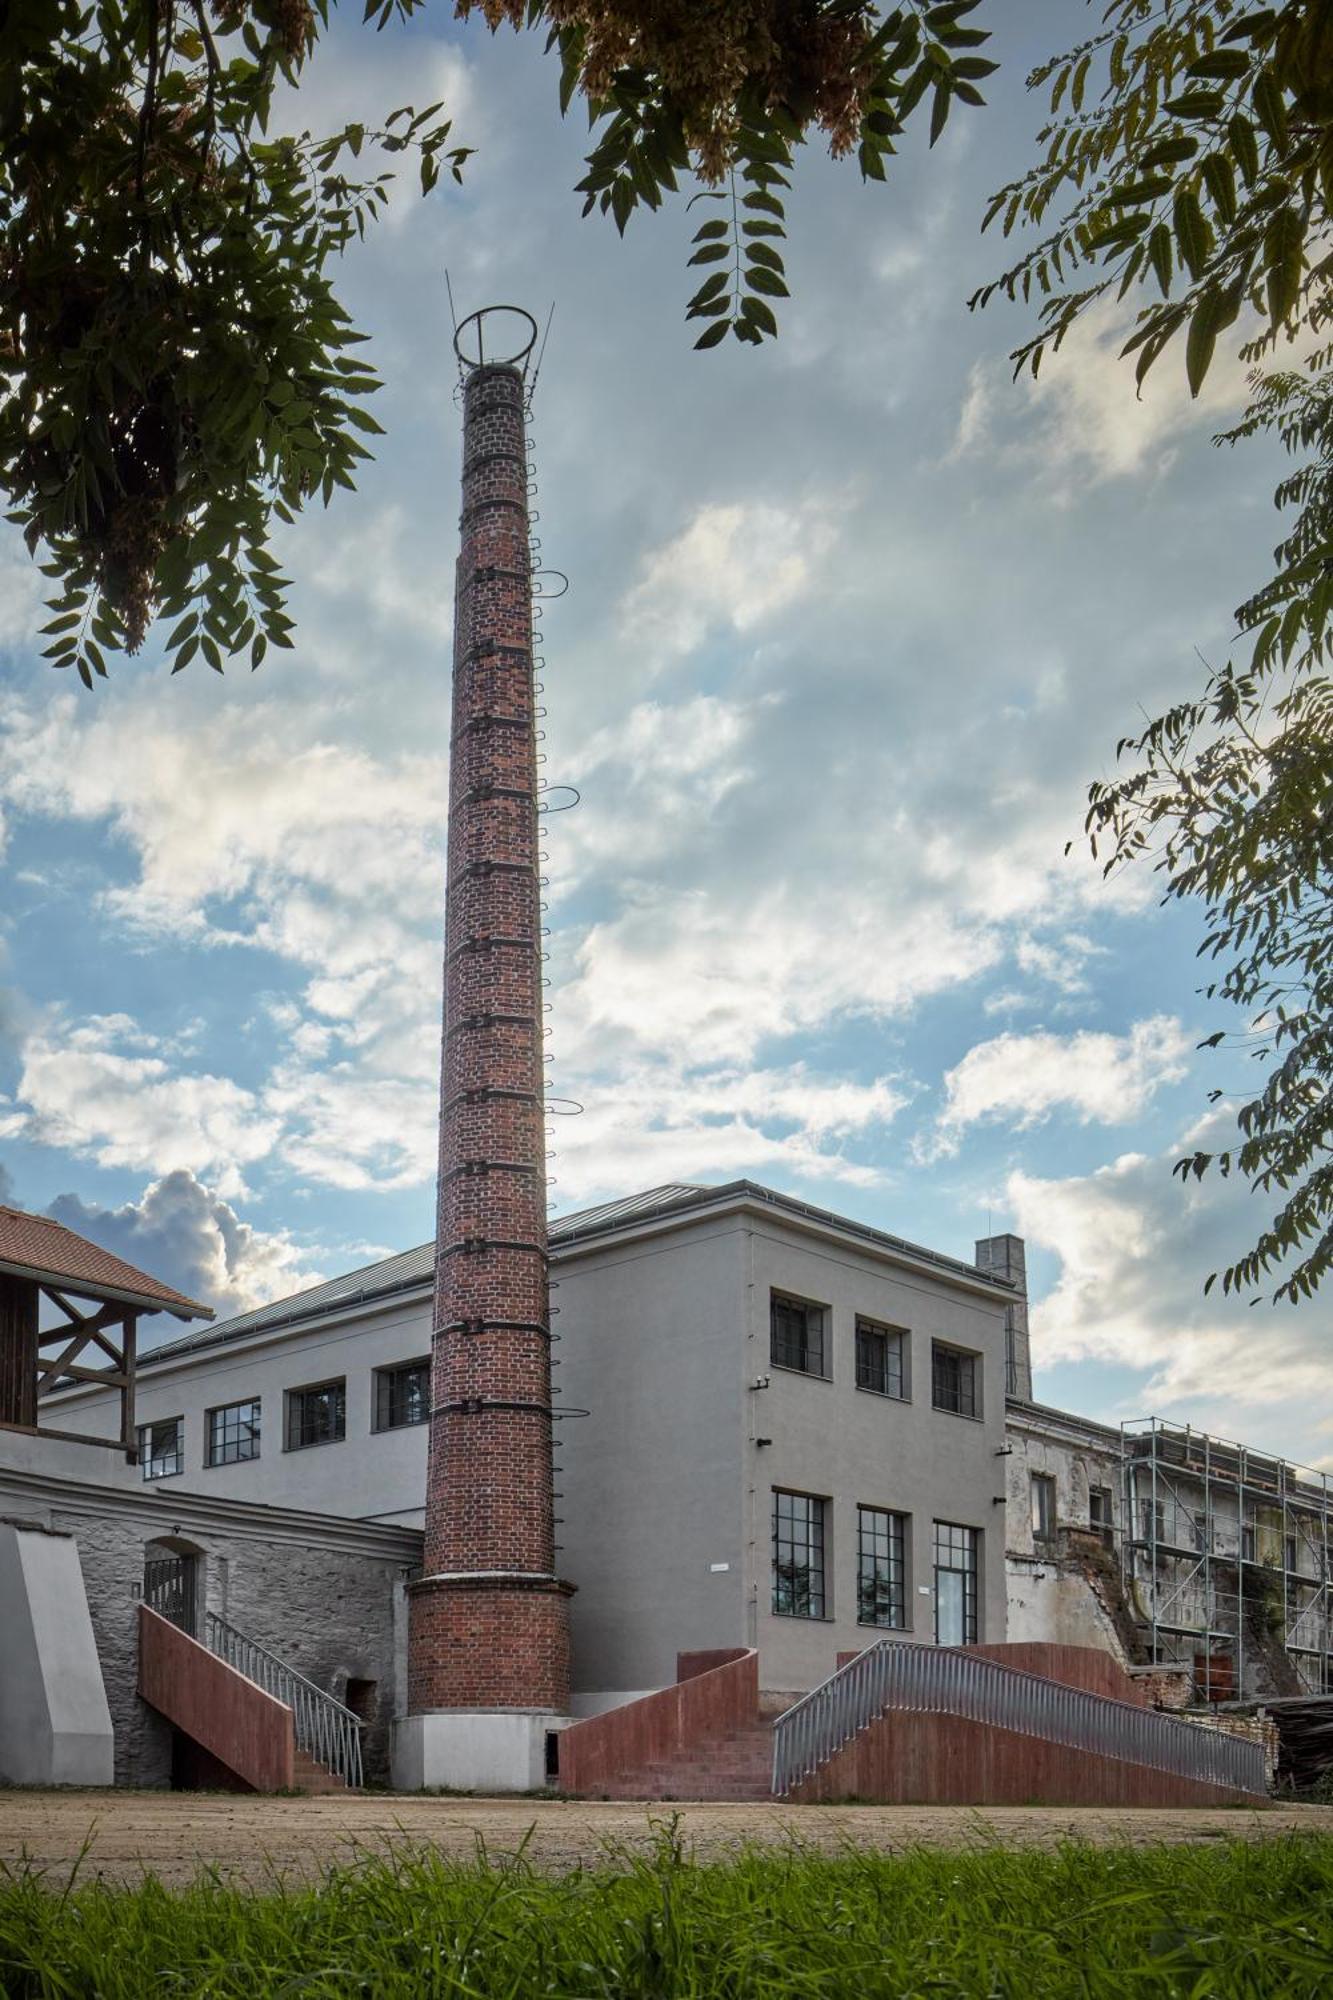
(1099, 1507)
(881, 1571)
(402, 1395)
(233, 1433)
(1043, 1507)
(798, 1555)
(796, 1330)
(955, 1584)
(955, 1380)
(317, 1415)
(881, 1358)
(162, 1448)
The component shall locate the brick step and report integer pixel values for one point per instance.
(309, 1775)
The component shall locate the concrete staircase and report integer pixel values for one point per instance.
(312, 1777)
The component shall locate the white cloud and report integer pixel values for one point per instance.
(1101, 1079)
(733, 567)
(1135, 1245)
(1081, 419)
(661, 1121)
(79, 1090)
(183, 1233)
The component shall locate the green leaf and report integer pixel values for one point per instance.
(1214, 311)
(767, 282)
(1284, 263)
(1193, 236)
(1159, 252)
(1195, 104)
(713, 334)
(1220, 179)
(1245, 147)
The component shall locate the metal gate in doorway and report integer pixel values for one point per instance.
(169, 1589)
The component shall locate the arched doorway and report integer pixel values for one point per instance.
(173, 1580)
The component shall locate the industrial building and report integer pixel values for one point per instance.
(773, 1530)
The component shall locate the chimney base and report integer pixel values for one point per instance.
(478, 1750)
(483, 1641)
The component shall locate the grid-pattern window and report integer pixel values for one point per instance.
(162, 1448)
(317, 1415)
(402, 1395)
(955, 1380)
(1043, 1506)
(881, 1358)
(881, 1570)
(233, 1433)
(796, 1334)
(798, 1555)
(955, 1584)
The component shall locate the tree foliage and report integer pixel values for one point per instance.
(1190, 156)
(175, 366)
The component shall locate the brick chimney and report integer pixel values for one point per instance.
(489, 1635)
(1006, 1257)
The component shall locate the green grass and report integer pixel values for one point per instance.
(1233, 1919)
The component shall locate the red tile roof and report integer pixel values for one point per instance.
(33, 1246)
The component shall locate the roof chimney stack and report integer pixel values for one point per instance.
(1006, 1257)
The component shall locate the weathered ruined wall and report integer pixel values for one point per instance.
(326, 1596)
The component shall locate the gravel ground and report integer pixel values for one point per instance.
(174, 1835)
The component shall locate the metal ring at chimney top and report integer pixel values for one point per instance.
(522, 348)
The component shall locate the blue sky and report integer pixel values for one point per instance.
(853, 622)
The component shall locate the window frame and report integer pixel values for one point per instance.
(971, 1575)
(1105, 1499)
(897, 1343)
(213, 1459)
(291, 1398)
(947, 1349)
(816, 1546)
(382, 1391)
(897, 1538)
(146, 1457)
(777, 1297)
(1042, 1508)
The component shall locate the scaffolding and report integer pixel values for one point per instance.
(1226, 1557)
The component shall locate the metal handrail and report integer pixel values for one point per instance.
(939, 1680)
(326, 1728)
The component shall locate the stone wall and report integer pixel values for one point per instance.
(327, 1596)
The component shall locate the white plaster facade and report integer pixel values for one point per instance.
(666, 1484)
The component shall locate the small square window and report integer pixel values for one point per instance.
(796, 1334)
(402, 1395)
(317, 1415)
(162, 1448)
(955, 1380)
(881, 1359)
(1043, 1507)
(233, 1433)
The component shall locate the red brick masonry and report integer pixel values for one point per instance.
(489, 1626)
(714, 1692)
(235, 1721)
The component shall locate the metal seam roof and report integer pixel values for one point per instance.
(375, 1283)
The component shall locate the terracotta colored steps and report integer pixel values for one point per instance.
(734, 1765)
(308, 1775)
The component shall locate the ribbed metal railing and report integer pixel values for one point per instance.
(329, 1731)
(937, 1680)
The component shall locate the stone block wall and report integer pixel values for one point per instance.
(327, 1596)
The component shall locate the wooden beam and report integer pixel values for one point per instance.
(65, 1437)
(101, 1378)
(18, 1350)
(129, 1435)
